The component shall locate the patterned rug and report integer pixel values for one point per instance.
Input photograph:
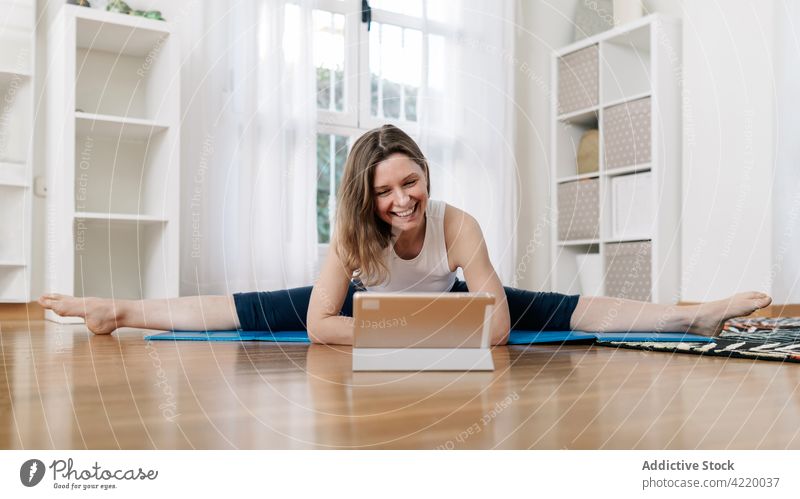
(776, 338)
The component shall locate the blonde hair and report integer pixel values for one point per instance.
(362, 236)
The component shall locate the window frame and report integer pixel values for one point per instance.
(351, 134)
(348, 117)
(366, 120)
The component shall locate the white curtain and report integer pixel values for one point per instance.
(249, 177)
(466, 127)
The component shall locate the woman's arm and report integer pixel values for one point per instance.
(467, 249)
(325, 325)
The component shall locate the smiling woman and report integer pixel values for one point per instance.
(391, 237)
(386, 174)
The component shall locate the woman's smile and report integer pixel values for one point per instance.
(406, 214)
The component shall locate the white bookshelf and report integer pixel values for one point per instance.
(113, 156)
(17, 50)
(638, 68)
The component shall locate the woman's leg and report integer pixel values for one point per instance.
(282, 310)
(616, 314)
(540, 311)
(537, 311)
(533, 310)
(104, 315)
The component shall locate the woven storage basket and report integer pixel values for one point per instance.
(628, 270)
(578, 80)
(578, 210)
(626, 134)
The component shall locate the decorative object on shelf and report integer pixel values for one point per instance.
(148, 14)
(577, 80)
(626, 11)
(578, 210)
(153, 14)
(590, 273)
(123, 8)
(592, 18)
(79, 3)
(118, 6)
(589, 152)
(626, 134)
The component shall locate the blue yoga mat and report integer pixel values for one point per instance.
(516, 338)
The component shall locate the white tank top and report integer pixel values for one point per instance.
(428, 271)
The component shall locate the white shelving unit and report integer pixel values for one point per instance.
(627, 214)
(17, 50)
(113, 163)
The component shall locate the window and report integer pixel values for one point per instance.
(395, 70)
(329, 44)
(331, 154)
(365, 78)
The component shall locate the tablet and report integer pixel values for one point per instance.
(422, 331)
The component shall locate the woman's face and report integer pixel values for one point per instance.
(401, 192)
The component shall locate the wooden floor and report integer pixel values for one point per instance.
(63, 388)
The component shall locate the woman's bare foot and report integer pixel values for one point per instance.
(102, 315)
(707, 319)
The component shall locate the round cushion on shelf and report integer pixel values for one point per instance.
(589, 152)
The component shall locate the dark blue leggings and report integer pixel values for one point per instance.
(285, 309)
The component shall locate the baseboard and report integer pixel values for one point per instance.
(785, 310)
(21, 311)
(51, 316)
(780, 310)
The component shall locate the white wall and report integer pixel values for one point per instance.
(544, 25)
(728, 114)
(785, 269)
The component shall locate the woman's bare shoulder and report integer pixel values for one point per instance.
(456, 217)
(457, 222)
